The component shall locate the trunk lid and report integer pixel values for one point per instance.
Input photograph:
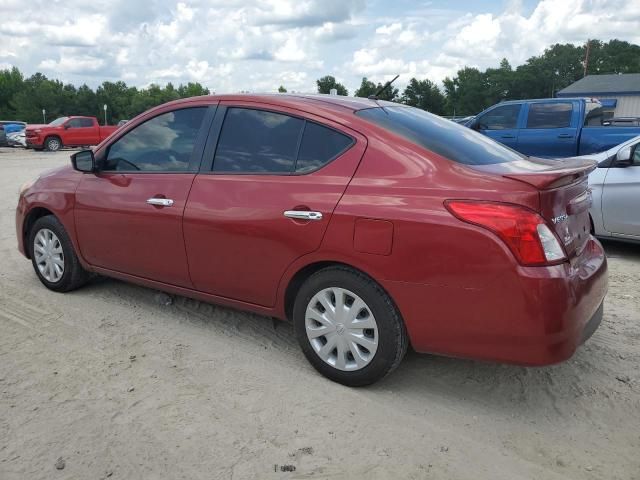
(564, 194)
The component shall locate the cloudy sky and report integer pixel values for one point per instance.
(256, 45)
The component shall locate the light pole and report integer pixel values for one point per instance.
(105, 114)
(44, 116)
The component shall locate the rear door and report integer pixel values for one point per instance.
(501, 123)
(129, 215)
(620, 195)
(270, 181)
(550, 129)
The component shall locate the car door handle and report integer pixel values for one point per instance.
(565, 135)
(160, 202)
(303, 215)
(507, 136)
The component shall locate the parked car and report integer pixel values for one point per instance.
(552, 127)
(614, 186)
(622, 122)
(371, 225)
(3, 137)
(12, 126)
(17, 139)
(463, 120)
(67, 132)
(12, 130)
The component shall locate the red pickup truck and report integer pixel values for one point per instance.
(67, 132)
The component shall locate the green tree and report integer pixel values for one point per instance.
(281, 89)
(424, 94)
(368, 88)
(11, 82)
(192, 90)
(466, 92)
(325, 84)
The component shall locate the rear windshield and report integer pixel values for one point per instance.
(444, 137)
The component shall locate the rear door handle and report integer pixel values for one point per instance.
(565, 135)
(160, 202)
(507, 136)
(303, 215)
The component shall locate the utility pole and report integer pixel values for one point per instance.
(105, 114)
(586, 58)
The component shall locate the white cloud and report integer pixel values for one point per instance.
(233, 45)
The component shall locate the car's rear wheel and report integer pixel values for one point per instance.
(54, 260)
(348, 327)
(53, 144)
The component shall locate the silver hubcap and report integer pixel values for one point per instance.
(341, 329)
(53, 144)
(48, 254)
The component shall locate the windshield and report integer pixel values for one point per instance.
(444, 137)
(59, 121)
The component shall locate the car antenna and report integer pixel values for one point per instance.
(382, 89)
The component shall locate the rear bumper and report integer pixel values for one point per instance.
(536, 316)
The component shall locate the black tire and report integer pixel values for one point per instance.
(392, 335)
(52, 144)
(73, 276)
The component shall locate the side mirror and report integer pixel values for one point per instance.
(623, 157)
(67, 126)
(84, 161)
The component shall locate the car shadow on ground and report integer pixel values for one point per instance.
(617, 249)
(508, 389)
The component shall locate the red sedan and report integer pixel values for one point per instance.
(370, 225)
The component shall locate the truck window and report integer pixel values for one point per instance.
(500, 118)
(549, 115)
(86, 122)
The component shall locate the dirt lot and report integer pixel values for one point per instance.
(121, 385)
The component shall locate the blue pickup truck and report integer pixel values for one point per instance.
(552, 127)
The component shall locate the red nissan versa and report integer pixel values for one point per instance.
(370, 225)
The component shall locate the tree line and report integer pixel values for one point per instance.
(471, 90)
(468, 92)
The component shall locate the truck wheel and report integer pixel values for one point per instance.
(348, 327)
(52, 144)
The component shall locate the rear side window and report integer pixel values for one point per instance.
(163, 144)
(86, 122)
(319, 146)
(549, 115)
(258, 141)
(444, 137)
(500, 118)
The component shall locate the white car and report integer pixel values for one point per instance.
(615, 186)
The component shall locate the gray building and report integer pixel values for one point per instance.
(619, 94)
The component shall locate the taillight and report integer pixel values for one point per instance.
(524, 231)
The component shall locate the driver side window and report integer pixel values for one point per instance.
(500, 118)
(163, 144)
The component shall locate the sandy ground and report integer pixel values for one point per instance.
(120, 385)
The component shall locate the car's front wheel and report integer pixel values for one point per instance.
(54, 260)
(348, 327)
(53, 144)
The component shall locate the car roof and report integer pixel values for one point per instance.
(298, 100)
(507, 102)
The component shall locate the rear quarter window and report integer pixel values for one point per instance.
(549, 115)
(455, 142)
(319, 146)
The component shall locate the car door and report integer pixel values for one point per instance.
(270, 181)
(501, 123)
(620, 197)
(129, 214)
(74, 132)
(550, 129)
